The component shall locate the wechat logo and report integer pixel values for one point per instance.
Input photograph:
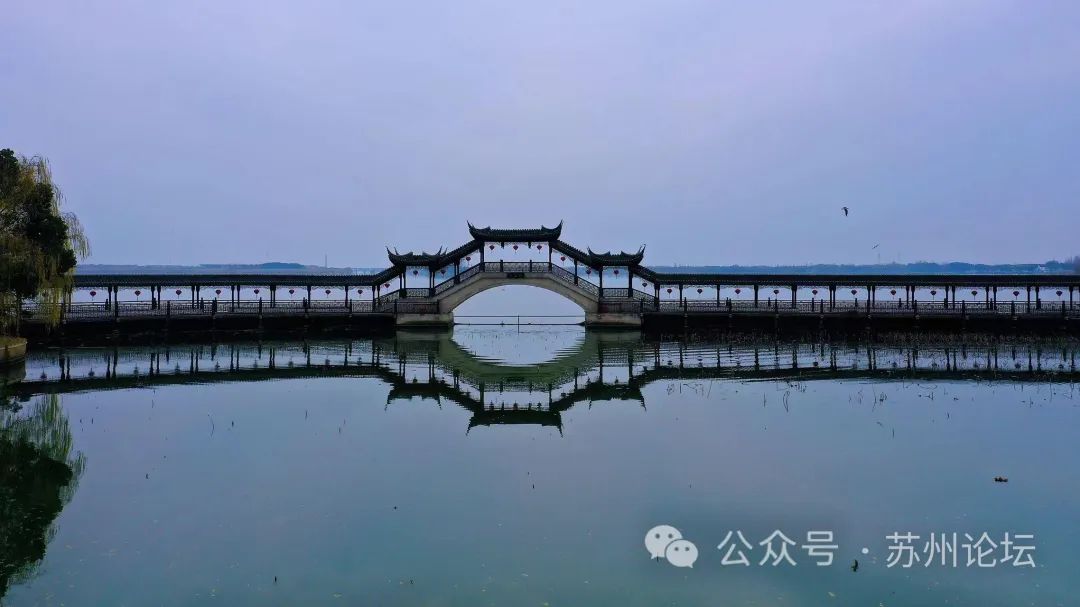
(666, 542)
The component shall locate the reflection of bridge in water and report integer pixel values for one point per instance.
(602, 367)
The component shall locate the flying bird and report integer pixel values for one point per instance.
(845, 211)
(876, 246)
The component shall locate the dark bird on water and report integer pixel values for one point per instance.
(855, 565)
(845, 211)
(1000, 479)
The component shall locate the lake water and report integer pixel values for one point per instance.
(525, 465)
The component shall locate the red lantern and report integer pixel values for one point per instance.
(515, 247)
(328, 291)
(256, 292)
(737, 291)
(699, 290)
(644, 284)
(359, 291)
(669, 290)
(93, 293)
(387, 285)
(178, 291)
(616, 272)
(588, 271)
(539, 247)
(442, 271)
(974, 292)
(892, 291)
(853, 291)
(562, 258)
(218, 291)
(491, 247)
(814, 291)
(933, 291)
(1015, 293)
(776, 291)
(415, 272)
(1059, 293)
(468, 258)
(137, 292)
(291, 291)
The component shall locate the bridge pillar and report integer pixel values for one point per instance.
(440, 319)
(612, 320)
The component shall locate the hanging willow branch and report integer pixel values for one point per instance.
(39, 243)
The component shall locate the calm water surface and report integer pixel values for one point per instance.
(506, 466)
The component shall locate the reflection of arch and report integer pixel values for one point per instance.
(454, 297)
(584, 356)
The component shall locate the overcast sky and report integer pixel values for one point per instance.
(199, 131)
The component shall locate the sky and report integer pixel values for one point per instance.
(712, 132)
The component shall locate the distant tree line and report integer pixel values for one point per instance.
(920, 267)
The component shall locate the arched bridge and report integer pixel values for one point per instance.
(611, 289)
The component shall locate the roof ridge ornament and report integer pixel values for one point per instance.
(621, 258)
(422, 258)
(530, 235)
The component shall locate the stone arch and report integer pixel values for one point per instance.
(460, 294)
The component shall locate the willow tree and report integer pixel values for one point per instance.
(39, 243)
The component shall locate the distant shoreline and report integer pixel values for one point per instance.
(1052, 267)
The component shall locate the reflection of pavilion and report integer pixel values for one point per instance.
(502, 393)
(601, 367)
